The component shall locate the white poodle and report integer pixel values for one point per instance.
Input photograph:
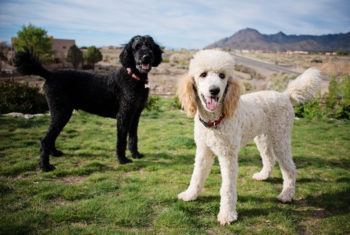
(226, 121)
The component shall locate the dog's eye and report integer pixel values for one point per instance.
(203, 75)
(222, 75)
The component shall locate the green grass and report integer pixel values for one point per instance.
(91, 193)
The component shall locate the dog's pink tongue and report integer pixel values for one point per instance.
(212, 103)
(145, 66)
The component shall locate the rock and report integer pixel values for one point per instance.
(26, 116)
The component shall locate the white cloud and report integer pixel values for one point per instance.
(191, 24)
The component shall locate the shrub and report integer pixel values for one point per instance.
(338, 99)
(279, 81)
(334, 104)
(4, 49)
(75, 56)
(16, 97)
(252, 72)
(153, 103)
(342, 53)
(92, 56)
(311, 110)
(175, 103)
(247, 86)
(165, 60)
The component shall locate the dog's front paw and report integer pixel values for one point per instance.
(187, 196)
(227, 217)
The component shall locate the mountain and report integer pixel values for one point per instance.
(252, 39)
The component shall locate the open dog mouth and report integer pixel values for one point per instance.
(145, 67)
(211, 102)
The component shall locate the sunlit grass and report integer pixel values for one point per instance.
(90, 192)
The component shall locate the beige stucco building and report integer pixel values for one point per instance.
(60, 48)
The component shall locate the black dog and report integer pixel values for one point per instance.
(121, 95)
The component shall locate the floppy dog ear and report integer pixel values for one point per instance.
(126, 56)
(157, 54)
(187, 96)
(233, 91)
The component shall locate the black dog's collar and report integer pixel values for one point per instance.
(135, 76)
(211, 124)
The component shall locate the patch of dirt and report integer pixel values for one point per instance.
(73, 179)
(62, 202)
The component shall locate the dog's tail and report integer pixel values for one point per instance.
(305, 86)
(28, 64)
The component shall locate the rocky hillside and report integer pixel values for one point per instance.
(252, 39)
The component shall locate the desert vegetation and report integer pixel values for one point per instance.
(334, 104)
(19, 97)
(330, 64)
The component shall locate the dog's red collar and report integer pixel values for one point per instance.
(211, 124)
(134, 76)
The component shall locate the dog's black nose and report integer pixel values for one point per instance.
(214, 90)
(146, 59)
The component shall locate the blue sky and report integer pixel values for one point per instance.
(174, 24)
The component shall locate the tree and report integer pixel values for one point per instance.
(75, 56)
(35, 40)
(92, 56)
(4, 49)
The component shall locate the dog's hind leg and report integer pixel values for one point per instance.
(59, 119)
(264, 145)
(283, 152)
(203, 163)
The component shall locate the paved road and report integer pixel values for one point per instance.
(262, 65)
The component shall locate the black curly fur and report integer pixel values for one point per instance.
(117, 95)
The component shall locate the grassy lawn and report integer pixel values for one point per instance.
(91, 193)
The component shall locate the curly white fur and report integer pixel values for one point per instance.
(265, 116)
(305, 86)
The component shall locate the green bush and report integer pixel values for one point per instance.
(92, 56)
(16, 97)
(311, 110)
(334, 104)
(153, 103)
(342, 53)
(175, 103)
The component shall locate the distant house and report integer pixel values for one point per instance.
(60, 48)
(297, 52)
